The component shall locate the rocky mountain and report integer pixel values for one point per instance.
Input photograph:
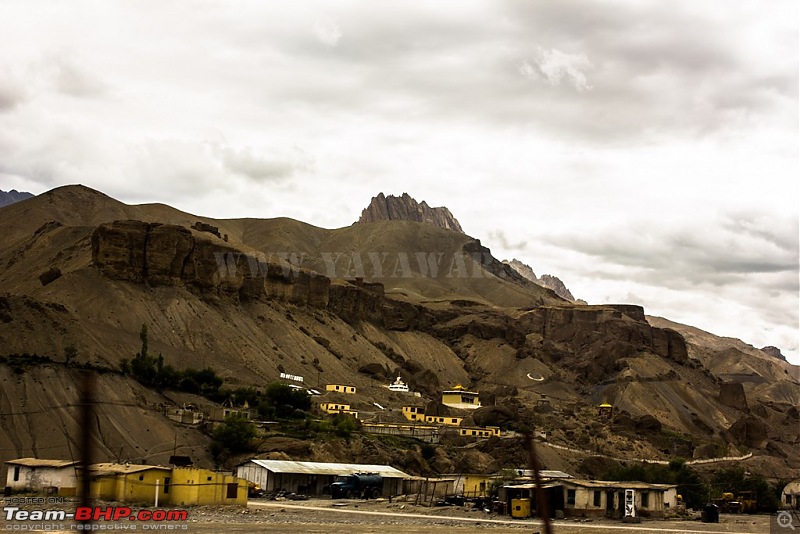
(82, 272)
(12, 196)
(405, 208)
(547, 280)
(775, 352)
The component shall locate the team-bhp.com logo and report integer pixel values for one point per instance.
(94, 518)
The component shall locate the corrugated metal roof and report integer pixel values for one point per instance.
(321, 468)
(530, 486)
(613, 484)
(544, 473)
(39, 462)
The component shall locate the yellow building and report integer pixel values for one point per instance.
(414, 413)
(477, 485)
(336, 407)
(185, 486)
(487, 432)
(443, 420)
(191, 486)
(458, 397)
(129, 483)
(340, 388)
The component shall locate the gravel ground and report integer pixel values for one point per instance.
(361, 517)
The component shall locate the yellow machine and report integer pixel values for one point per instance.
(520, 507)
(747, 502)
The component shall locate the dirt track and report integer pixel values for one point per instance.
(324, 516)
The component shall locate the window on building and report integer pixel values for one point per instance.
(570, 496)
(596, 501)
(454, 420)
(141, 477)
(166, 485)
(645, 499)
(208, 479)
(16, 473)
(233, 490)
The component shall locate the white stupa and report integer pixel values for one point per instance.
(399, 385)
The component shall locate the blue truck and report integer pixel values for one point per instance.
(357, 486)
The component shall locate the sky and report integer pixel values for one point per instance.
(644, 152)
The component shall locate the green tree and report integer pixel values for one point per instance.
(235, 434)
(287, 402)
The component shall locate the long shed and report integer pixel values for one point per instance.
(313, 478)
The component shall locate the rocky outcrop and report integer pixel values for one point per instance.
(405, 208)
(595, 340)
(749, 431)
(732, 394)
(553, 282)
(50, 275)
(13, 196)
(775, 352)
(547, 280)
(169, 255)
(203, 227)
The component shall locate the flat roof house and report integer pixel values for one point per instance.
(40, 475)
(460, 398)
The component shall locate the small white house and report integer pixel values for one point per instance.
(34, 474)
(791, 495)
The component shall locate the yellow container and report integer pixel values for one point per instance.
(520, 507)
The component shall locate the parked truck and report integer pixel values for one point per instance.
(358, 486)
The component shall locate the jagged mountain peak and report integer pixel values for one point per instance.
(546, 280)
(406, 208)
(10, 197)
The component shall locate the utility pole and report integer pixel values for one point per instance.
(86, 404)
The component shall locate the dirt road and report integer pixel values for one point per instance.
(324, 516)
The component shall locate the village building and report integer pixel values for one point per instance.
(129, 483)
(478, 432)
(472, 485)
(338, 388)
(43, 476)
(443, 420)
(220, 413)
(605, 410)
(426, 433)
(414, 413)
(337, 407)
(186, 414)
(591, 498)
(190, 486)
(790, 495)
(314, 478)
(460, 398)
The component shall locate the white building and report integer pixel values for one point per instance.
(34, 474)
(790, 496)
(399, 385)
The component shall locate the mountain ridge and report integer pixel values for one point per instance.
(406, 208)
(249, 309)
(12, 196)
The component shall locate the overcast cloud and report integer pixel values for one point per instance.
(643, 152)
